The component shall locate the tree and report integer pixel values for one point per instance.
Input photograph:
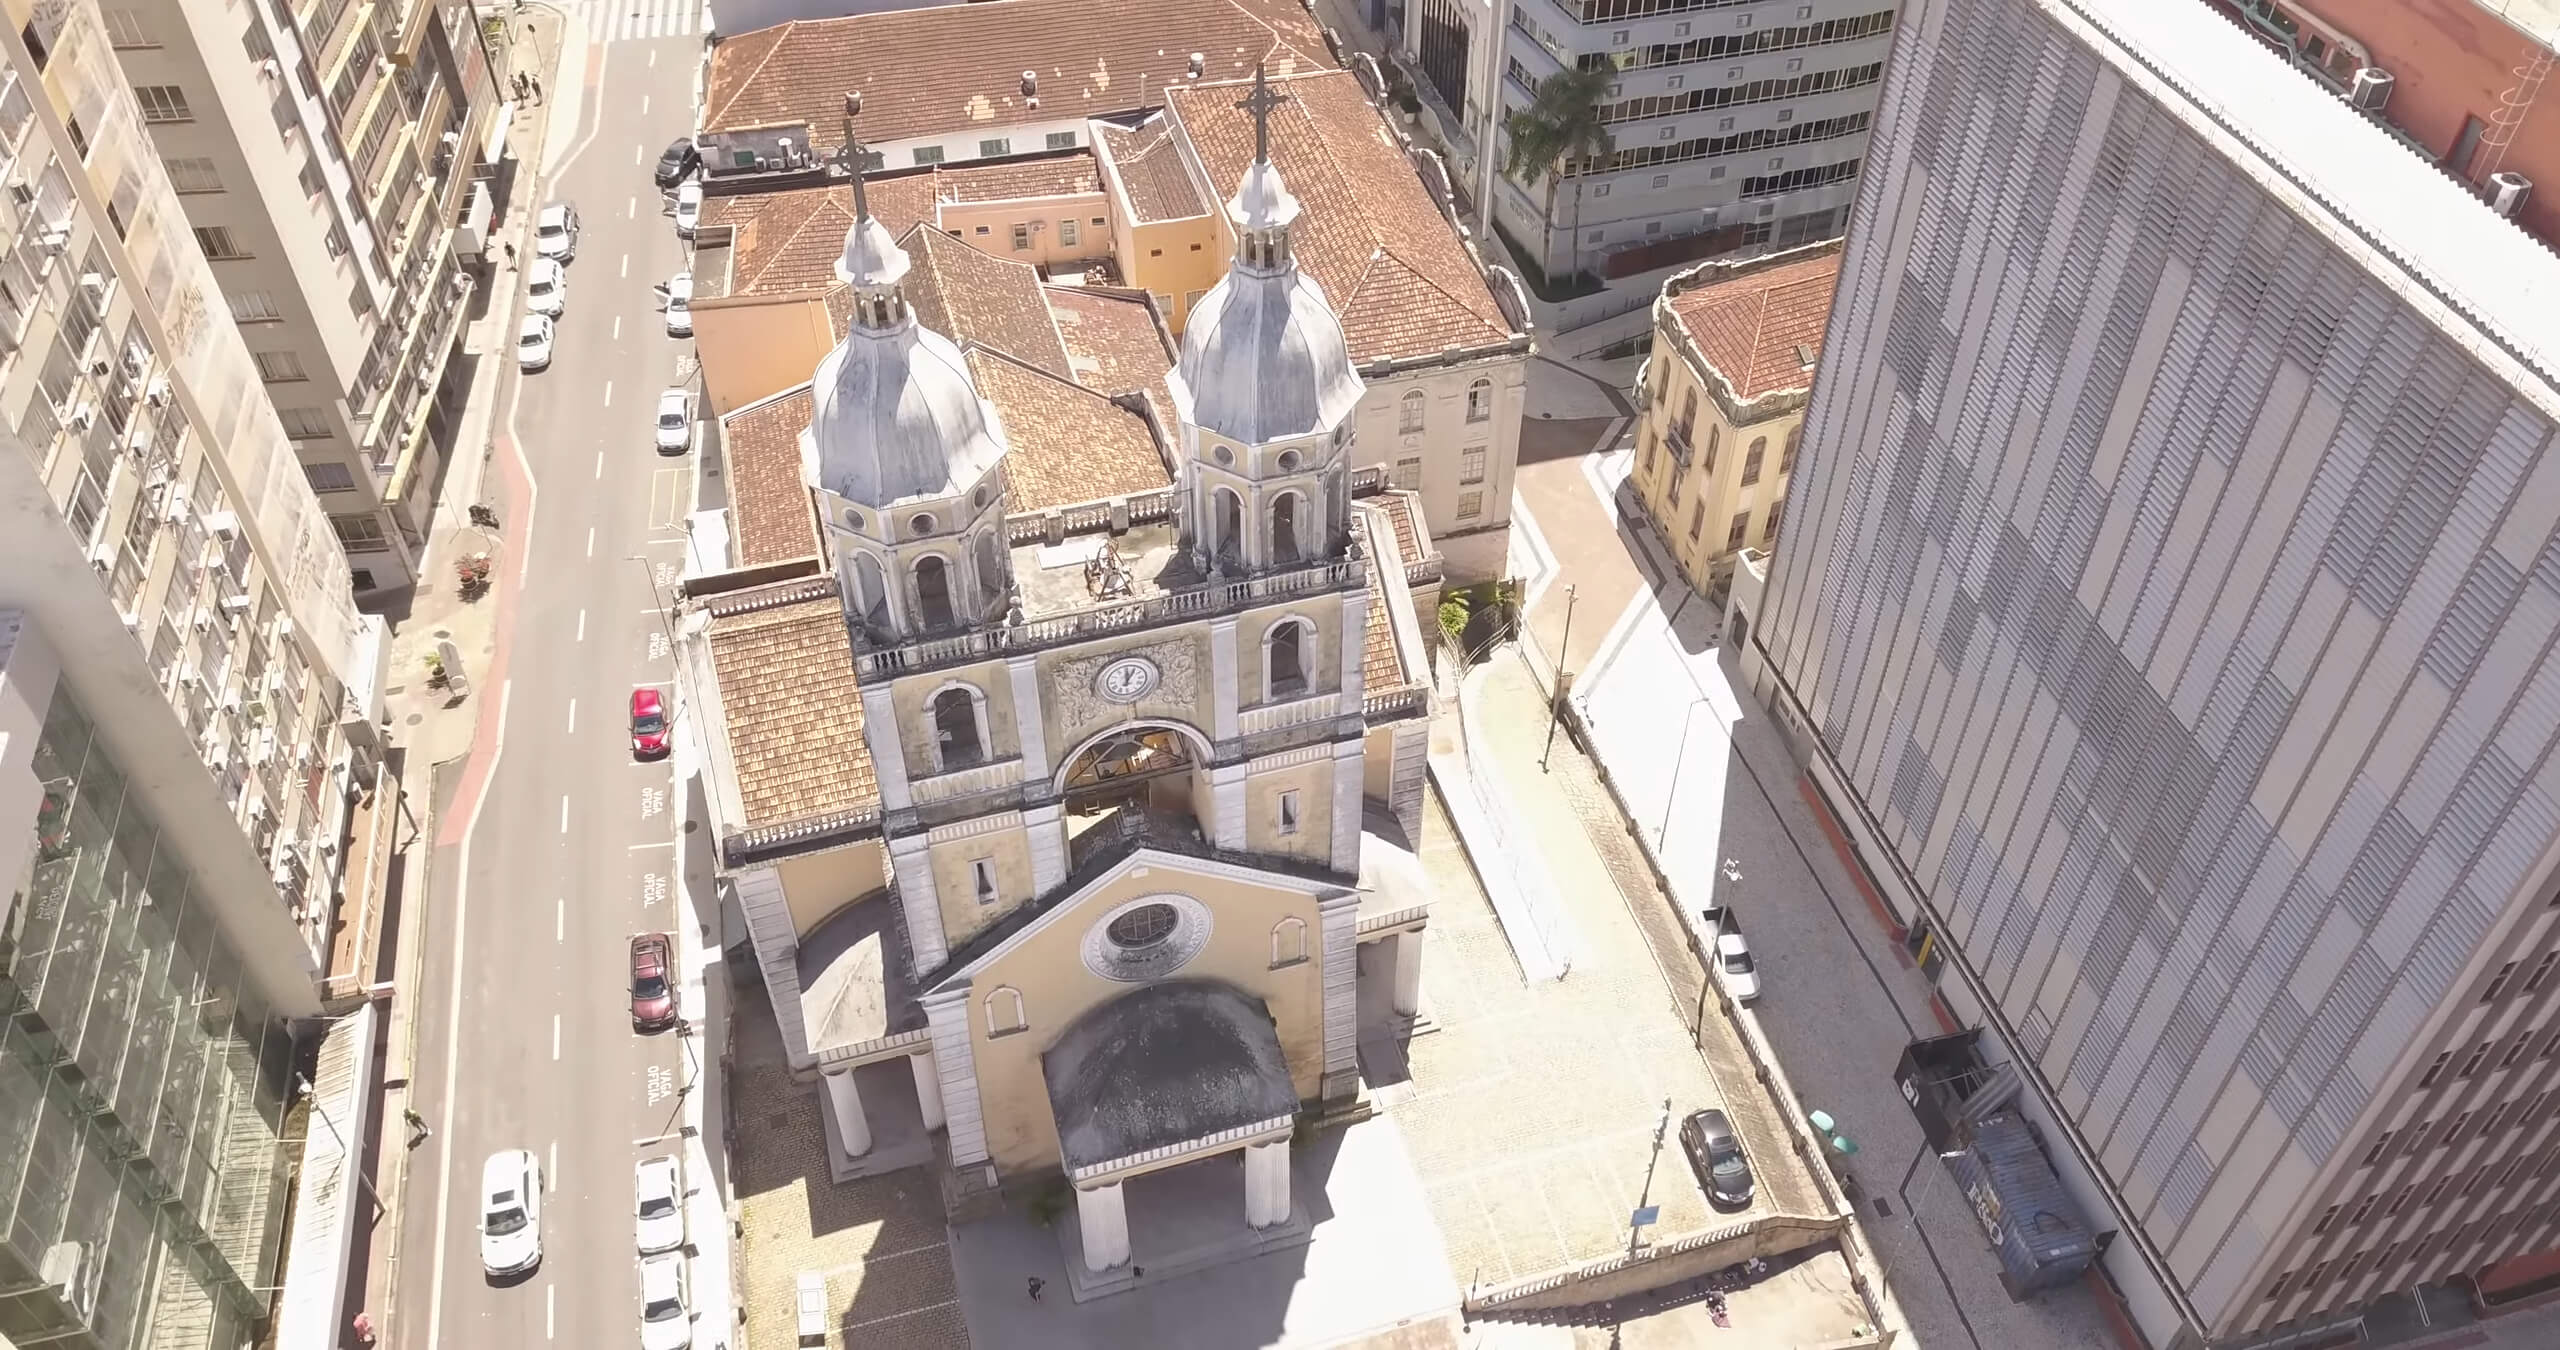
(1561, 124)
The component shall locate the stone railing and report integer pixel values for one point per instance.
(1295, 712)
(1196, 602)
(1398, 918)
(1389, 704)
(742, 848)
(1116, 513)
(968, 782)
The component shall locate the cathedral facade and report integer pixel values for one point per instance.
(1083, 816)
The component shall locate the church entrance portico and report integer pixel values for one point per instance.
(1186, 1216)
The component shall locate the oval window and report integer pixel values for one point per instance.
(920, 524)
(1288, 461)
(1143, 927)
(852, 519)
(1225, 455)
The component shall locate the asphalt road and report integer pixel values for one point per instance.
(525, 1038)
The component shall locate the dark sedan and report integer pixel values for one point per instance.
(676, 161)
(653, 989)
(1715, 1154)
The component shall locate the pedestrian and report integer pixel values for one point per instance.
(510, 246)
(1137, 1272)
(419, 1131)
(536, 82)
(1037, 1284)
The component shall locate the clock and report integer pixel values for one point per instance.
(1127, 680)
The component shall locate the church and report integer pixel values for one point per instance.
(1071, 828)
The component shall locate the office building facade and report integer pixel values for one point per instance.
(2166, 610)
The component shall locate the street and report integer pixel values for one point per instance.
(557, 845)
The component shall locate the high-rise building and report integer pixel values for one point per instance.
(326, 155)
(2166, 610)
(1733, 127)
(186, 704)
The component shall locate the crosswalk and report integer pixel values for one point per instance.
(637, 20)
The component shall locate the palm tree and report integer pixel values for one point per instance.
(1561, 124)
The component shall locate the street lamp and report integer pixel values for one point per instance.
(1678, 761)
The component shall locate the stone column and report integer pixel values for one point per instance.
(1355, 636)
(1224, 691)
(852, 1127)
(929, 1082)
(911, 863)
(1102, 1218)
(1266, 1183)
(888, 754)
(1044, 829)
(1226, 800)
(1348, 779)
(1408, 991)
(1028, 718)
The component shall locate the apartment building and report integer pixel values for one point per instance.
(327, 154)
(1735, 126)
(188, 701)
(2167, 613)
(1720, 403)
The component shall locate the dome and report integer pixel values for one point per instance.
(895, 415)
(1263, 356)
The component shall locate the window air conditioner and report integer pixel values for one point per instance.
(223, 523)
(175, 509)
(235, 604)
(84, 416)
(102, 554)
(158, 393)
(137, 437)
(99, 367)
(231, 701)
(95, 284)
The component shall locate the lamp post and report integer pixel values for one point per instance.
(1637, 1221)
(1679, 760)
(1555, 701)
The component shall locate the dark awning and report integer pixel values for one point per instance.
(1169, 1064)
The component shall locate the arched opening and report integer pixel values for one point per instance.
(1288, 942)
(1286, 527)
(1136, 781)
(1480, 401)
(957, 739)
(1005, 1011)
(1227, 542)
(1284, 659)
(933, 592)
(871, 590)
(1409, 412)
(991, 571)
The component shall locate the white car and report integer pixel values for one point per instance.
(555, 232)
(658, 1186)
(688, 207)
(675, 422)
(1720, 937)
(533, 342)
(546, 288)
(510, 1212)
(666, 1316)
(680, 305)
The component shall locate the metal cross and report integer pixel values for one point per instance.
(1260, 103)
(849, 157)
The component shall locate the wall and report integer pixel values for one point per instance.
(816, 885)
(1445, 437)
(914, 697)
(1178, 260)
(1073, 714)
(1313, 782)
(1708, 497)
(1320, 654)
(757, 346)
(1049, 970)
(989, 226)
(746, 16)
(2452, 60)
(1002, 842)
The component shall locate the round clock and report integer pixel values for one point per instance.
(1127, 680)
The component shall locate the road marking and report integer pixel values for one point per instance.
(582, 625)
(549, 1323)
(667, 843)
(608, 393)
(644, 105)
(551, 1174)
(560, 921)
(555, 1048)
(637, 151)
(591, 541)
(453, 1017)
(573, 707)
(630, 208)
(653, 58)
(626, 264)
(599, 464)
(564, 813)
(617, 328)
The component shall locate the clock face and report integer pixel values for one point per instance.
(1126, 680)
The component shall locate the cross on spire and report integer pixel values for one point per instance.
(1260, 103)
(850, 157)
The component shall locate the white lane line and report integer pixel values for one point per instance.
(653, 59)
(551, 1174)
(626, 264)
(555, 1042)
(637, 151)
(670, 843)
(599, 464)
(591, 541)
(630, 208)
(608, 393)
(573, 717)
(550, 1323)
(564, 813)
(560, 921)
(644, 105)
(617, 328)
(582, 625)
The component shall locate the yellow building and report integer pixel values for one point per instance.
(1065, 747)
(1721, 403)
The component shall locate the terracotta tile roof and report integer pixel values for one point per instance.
(793, 712)
(1406, 519)
(789, 240)
(1114, 343)
(969, 296)
(1370, 235)
(1158, 183)
(1019, 179)
(1380, 667)
(1749, 326)
(956, 68)
(1067, 444)
(770, 516)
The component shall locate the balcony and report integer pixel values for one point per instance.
(968, 782)
(1676, 440)
(1283, 714)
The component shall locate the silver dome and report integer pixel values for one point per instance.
(1263, 356)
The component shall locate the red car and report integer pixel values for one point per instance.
(648, 724)
(653, 989)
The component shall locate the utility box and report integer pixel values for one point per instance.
(2032, 1222)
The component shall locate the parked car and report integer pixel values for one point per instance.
(555, 232)
(677, 161)
(653, 988)
(533, 342)
(679, 296)
(688, 208)
(1720, 938)
(510, 1212)
(666, 1316)
(546, 289)
(675, 422)
(648, 723)
(1715, 1154)
(658, 1203)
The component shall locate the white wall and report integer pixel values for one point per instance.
(732, 17)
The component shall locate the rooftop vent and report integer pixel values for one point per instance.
(2507, 192)
(1804, 356)
(1199, 64)
(1030, 89)
(2371, 90)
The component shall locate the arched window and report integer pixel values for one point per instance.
(1227, 543)
(1787, 456)
(991, 570)
(1286, 527)
(1708, 465)
(871, 587)
(1648, 454)
(1409, 412)
(933, 592)
(959, 727)
(1288, 942)
(1004, 1011)
(1751, 460)
(1286, 658)
(1480, 401)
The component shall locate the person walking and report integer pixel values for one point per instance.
(419, 1131)
(1037, 1284)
